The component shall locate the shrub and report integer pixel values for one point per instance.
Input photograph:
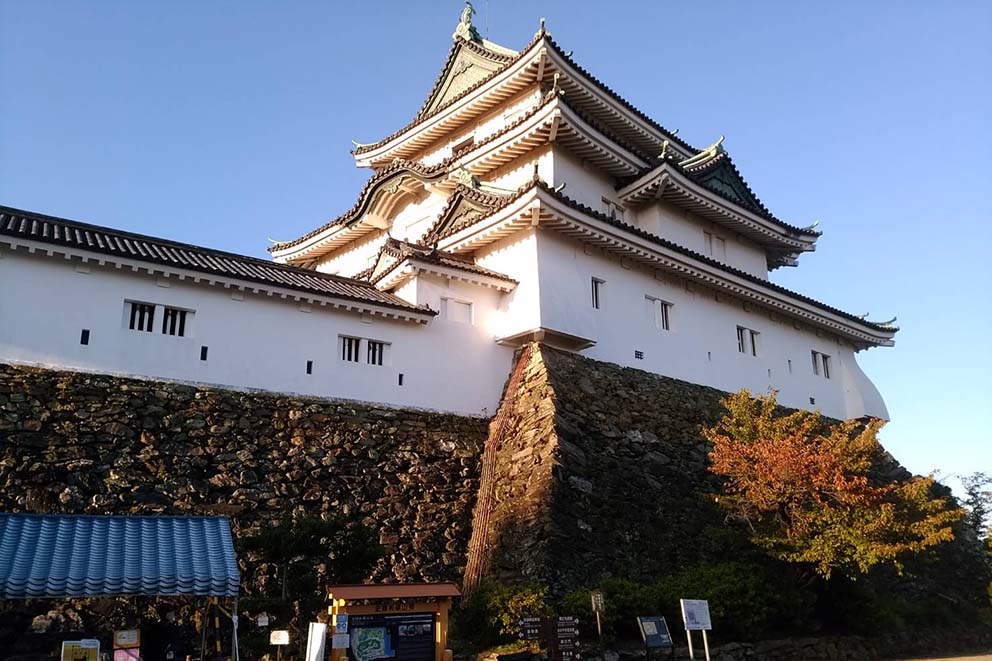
(490, 617)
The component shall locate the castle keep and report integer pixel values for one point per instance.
(526, 201)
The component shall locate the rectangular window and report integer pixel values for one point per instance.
(174, 322)
(349, 349)
(457, 311)
(597, 293)
(662, 312)
(821, 364)
(309, 367)
(141, 316)
(84, 336)
(203, 353)
(612, 209)
(747, 340)
(463, 144)
(715, 246)
(375, 352)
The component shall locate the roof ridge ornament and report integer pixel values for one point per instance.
(541, 31)
(465, 29)
(466, 178)
(812, 228)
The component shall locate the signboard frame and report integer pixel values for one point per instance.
(696, 617)
(90, 645)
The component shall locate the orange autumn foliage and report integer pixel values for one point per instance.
(806, 490)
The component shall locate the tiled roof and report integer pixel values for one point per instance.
(365, 195)
(403, 250)
(710, 261)
(61, 555)
(458, 44)
(421, 117)
(107, 241)
(675, 247)
(696, 172)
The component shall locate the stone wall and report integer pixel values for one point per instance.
(600, 471)
(81, 443)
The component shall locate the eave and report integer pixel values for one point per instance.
(539, 206)
(552, 121)
(536, 63)
(410, 267)
(408, 178)
(85, 259)
(669, 183)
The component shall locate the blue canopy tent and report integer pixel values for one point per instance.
(65, 556)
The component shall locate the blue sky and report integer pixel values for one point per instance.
(224, 123)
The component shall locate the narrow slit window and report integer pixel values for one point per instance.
(375, 352)
(597, 293)
(203, 353)
(174, 322)
(309, 367)
(141, 317)
(349, 349)
(84, 337)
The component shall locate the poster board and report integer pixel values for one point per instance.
(87, 649)
(696, 614)
(654, 631)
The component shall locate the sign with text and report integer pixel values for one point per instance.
(124, 638)
(87, 649)
(340, 641)
(341, 623)
(530, 628)
(654, 631)
(598, 601)
(696, 614)
(279, 637)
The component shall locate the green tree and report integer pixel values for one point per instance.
(978, 502)
(309, 554)
(807, 493)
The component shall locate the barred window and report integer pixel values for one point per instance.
(349, 349)
(174, 322)
(375, 352)
(142, 316)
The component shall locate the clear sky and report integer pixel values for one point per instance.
(224, 123)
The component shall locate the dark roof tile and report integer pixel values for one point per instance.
(104, 240)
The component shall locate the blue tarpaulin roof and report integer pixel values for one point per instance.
(62, 555)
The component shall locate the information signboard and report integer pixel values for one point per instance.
(340, 641)
(87, 649)
(654, 631)
(124, 638)
(279, 637)
(341, 623)
(530, 628)
(696, 614)
(598, 601)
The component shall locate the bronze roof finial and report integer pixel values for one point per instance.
(465, 29)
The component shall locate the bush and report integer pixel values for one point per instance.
(490, 617)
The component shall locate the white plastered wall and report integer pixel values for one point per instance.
(259, 342)
(701, 346)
